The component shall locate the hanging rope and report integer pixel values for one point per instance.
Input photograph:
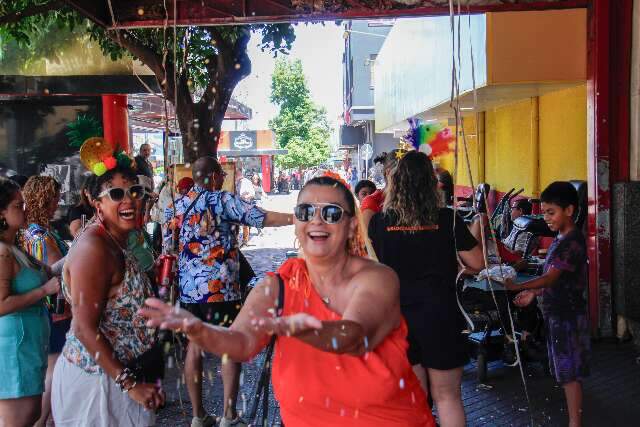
(455, 105)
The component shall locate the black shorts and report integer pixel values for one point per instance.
(435, 336)
(216, 313)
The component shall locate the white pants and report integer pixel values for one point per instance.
(80, 399)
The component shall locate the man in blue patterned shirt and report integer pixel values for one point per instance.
(209, 268)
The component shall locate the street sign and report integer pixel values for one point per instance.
(366, 151)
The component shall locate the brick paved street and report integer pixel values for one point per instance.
(612, 393)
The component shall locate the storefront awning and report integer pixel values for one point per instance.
(250, 153)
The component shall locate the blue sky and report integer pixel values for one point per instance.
(320, 50)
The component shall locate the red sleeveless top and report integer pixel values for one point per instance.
(319, 389)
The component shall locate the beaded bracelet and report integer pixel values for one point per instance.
(126, 376)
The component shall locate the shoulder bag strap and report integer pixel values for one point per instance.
(176, 232)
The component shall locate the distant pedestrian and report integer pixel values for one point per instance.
(363, 189)
(143, 165)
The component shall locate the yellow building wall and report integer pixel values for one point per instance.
(509, 148)
(527, 144)
(563, 135)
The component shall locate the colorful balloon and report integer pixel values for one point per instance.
(110, 162)
(99, 168)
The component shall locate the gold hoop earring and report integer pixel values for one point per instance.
(296, 244)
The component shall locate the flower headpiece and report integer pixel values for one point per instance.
(337, 177)
(432, 139)
(98, 156)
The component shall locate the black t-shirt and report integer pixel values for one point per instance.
(424, 257)
(143, 167)
(76, 212)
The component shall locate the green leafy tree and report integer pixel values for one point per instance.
(301, 126)
(198, 76)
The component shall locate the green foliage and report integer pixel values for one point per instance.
(83, 127)
(301, 126)
(32, 35)
(27, 42)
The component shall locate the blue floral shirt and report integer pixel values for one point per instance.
(208, 265)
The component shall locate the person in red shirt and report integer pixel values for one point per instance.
(372, 204)
(340, 348)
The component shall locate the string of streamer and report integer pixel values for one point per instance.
(455, 105)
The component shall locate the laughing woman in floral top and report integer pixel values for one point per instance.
(96, 381)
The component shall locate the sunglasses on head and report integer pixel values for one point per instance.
(116, 194)
(329, 212)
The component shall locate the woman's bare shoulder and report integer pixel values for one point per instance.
(374, 272)
(91, 245)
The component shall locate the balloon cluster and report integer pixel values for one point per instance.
(98, 156)
(432, 139)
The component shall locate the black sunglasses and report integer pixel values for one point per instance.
(329, 213)
(116, 194)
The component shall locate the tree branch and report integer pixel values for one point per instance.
(12, 18)
(129, 42)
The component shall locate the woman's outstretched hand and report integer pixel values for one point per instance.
(164, 316)
(287, 325)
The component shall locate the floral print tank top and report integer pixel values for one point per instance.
(121, 325)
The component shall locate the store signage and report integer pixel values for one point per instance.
(244, 140)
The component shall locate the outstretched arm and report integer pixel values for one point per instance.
(243, 340)
(547, 280)
(372, 313)
(277, 219)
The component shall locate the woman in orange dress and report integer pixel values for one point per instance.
(340, 356)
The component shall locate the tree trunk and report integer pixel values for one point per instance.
(200, 125)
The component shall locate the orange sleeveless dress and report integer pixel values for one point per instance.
(319, 389)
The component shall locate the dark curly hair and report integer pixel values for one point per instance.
(95, 186)
(365, 183)
(39, 192)
(412, 196)
(561, 193)
(8, 191)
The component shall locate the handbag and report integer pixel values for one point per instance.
(149, 366)
(261, 391)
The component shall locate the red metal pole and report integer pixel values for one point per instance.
(115, 121)
(598, 171)
(620, 84)
(266, 172)
(608, 80)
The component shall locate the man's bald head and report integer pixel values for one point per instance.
(203, 170)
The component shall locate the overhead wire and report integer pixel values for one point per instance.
(455, 105)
